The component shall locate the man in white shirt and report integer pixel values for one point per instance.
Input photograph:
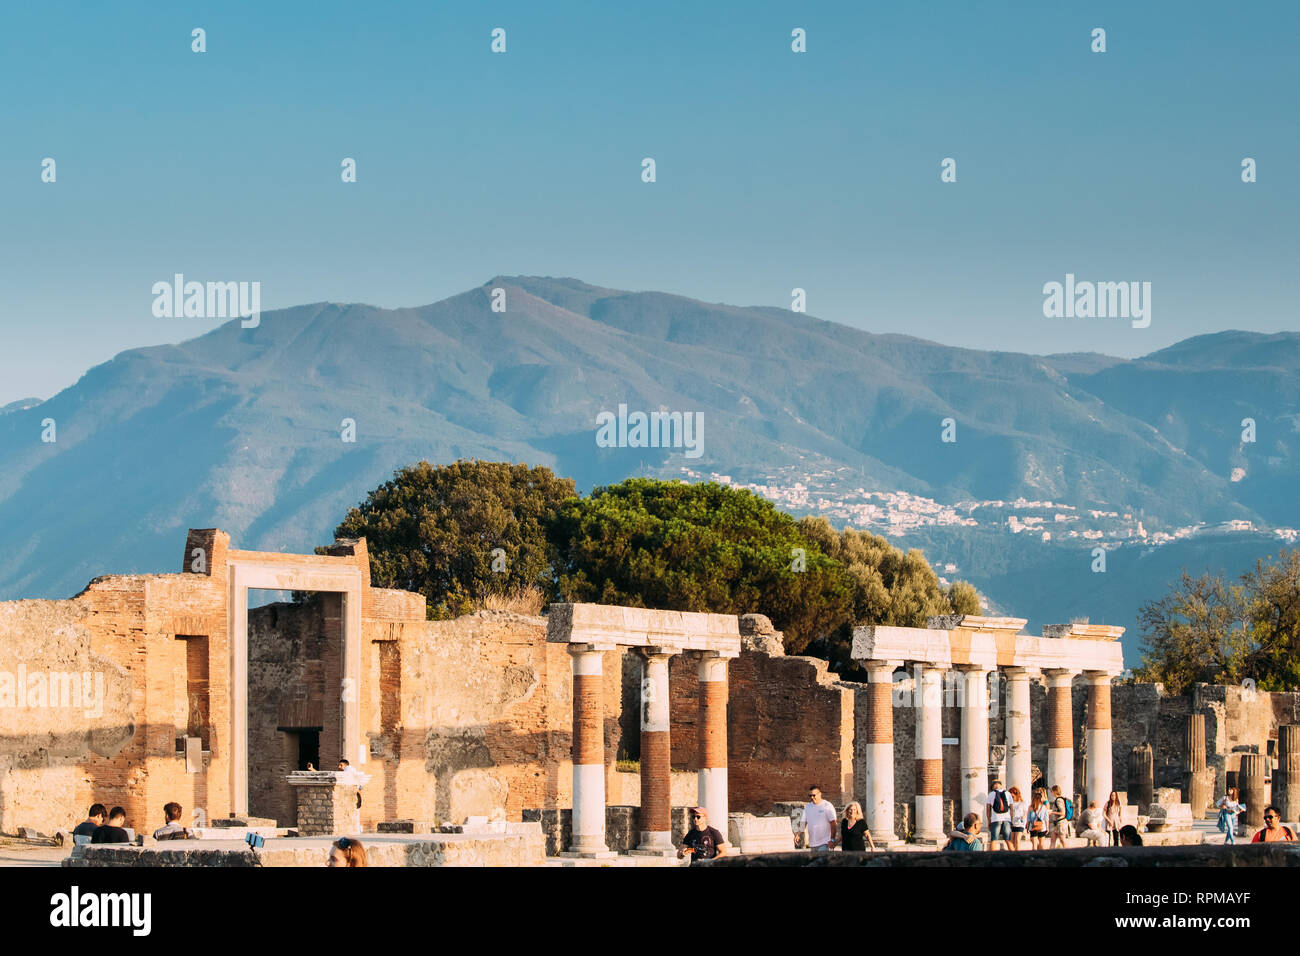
(818, 824)
(997, 807)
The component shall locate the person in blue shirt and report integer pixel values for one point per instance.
(966, 837)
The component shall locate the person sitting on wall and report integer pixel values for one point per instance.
(702, 842)
(1274, 830)
(114, 831)
(172, 829)
(1128, 836)
(966, 837)
(94, 820)
(343, 766)
(347, 852)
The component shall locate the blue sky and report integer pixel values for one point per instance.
(775, 170)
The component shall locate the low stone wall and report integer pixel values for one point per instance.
(521, 845)
(622, 827)
(1258, 854)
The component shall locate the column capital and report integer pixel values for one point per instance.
(576, 649)
(1020, 672)
(930, 666)
(712, 655)
(880, 667)
(974, 668)
(1059, 676)
(657, 650)
(1098, 677)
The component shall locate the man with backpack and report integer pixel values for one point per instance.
(997, 807)
(1061, 816)
(1274, 831)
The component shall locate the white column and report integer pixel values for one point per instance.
(878, 752)
(588, 752)
(974, 739)
(351, 746)
(1019, 767)
(1060, 731)
(928, 700)
(1099, 737)
(712, 733)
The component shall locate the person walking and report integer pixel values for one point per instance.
(1019, 817)
(854, 834)
(1274, 830)
(1114, 814)
(1229, 808)
(1059, 817)
(818, 822)
(997, 808)
(1038, 819)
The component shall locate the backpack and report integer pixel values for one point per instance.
(1069, 808)
(1000, 802)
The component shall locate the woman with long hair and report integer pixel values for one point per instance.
(1114, 817)
(347, 852)
(854, 834)
(1038, 819)
(1019, 816)
(1229, 807)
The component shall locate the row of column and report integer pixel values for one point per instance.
(878, 741)
(656, 748)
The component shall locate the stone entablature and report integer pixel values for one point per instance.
(606, 624)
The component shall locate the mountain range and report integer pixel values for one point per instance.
(244, 428)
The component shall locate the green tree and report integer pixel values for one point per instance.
(1274, 656)
(1199, 631)
(461, 533)
(698, 547)
(889, 587)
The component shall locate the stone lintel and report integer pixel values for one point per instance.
(985, 649)
(642, 627)
(1090, 632)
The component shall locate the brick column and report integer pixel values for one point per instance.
(878, 752)
(1286, 778)
(927, 698)
(1250, 788)
(656, 754)
(712, 731)
(1060, 732)
(1019, 763)
(974, 748)
(588, 838)
(1098, 784)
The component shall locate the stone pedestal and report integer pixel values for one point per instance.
(1286, 778)
(327, 801)
(1168, 817)
(1198, 781)
(750, 834)
(1141, 777)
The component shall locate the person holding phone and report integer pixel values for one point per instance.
(702, 842)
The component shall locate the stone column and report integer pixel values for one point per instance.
(712, 731)
(1286, 778)
(1018, 730)
(878, 752)
(974, 748)
(588, 751)
(1198, 785)
(1098, 743)
(1250, 784)
(656, 754)
(327, 805)
(1060, 732)
(927, 698)
(1141, 777)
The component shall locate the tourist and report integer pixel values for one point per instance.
(997, 807)
(347, 852)
(1094, 824)
(702, 842)
(172, 829)
(114, 831)
(965, 839)
(1059, 817)
(818, 823)
(1229, 808)
(1114, 814)
(94, 820)
(854, 834)
(1019, 817)
(1039, 819)
(1128, 836)
(1274, 830)
(343, 768)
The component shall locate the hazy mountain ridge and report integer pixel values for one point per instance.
(240, 428)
